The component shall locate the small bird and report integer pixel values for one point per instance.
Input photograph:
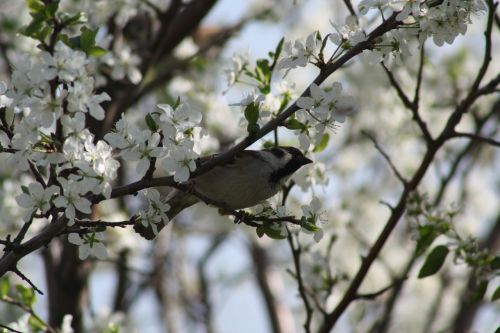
(249, 178)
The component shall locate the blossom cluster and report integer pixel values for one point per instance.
(322, 109)
(417, 19)
(169, 139)
(48, 99)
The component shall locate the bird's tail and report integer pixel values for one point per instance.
(178, 201)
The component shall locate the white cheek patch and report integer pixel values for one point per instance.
(274, 161)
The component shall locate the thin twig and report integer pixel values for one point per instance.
(296, 251)
(350, 8)
(372, 296)
(476, 137)
(420, 72)
(25, 278)
(387, 158)
(412, 106)
(10, 329)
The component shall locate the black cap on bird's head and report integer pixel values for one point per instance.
(293, 159)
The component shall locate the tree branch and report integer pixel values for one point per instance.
(412, 106)
(477, 138)
(432, 148)
(373, 295)
(386, 158)
(296, 251)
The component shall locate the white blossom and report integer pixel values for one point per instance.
(347, 35)
(176, 120)
(37, 198)
(299, 53)
(156, 212)
(82, 99)
(72, 198)
(238, 63)
(89, 244)
(100, 156)
(124, 64)
(181, 161)
(312, 213)
(66, 63)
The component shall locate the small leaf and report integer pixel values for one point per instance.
(33, 28)
(252, 113)
(273, 233)
(322, 144)
(495, 263)
(36, 324)
(260, 231)
(309, 226)
(27, 294)
(279, 48)
(51, 8)
(479, 292)
(318, 36)
(177, 103)
(153, 126)
(25, 189)
(35, 6)
(87, 38)
(70, 20)
(427, 235)
(96, 51)
(496, 294)
(4, 287)
(294, 124)
(434, 261)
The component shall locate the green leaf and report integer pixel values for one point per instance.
(25, 189)
(318, 36)
(87, 38)
(4, 287)
(35, 6)
(252, 113)
(309, 226)
(322, 144)
(36, 324)
(279, 48)
(51, 8)
(294, 124)
(495, 263)
(33, 28)
(479, 292)
(177, 103)
(153, 126)
(70, 20)
(427, 235)
(112, 328)
(263, 68)
(260, 231)
(434, 261)
(268, 144)
(272, 232)
(96, 51)
(496, 294)
(27, 294)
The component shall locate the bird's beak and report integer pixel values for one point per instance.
(304, 160)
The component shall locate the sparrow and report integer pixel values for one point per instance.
(249, 178)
